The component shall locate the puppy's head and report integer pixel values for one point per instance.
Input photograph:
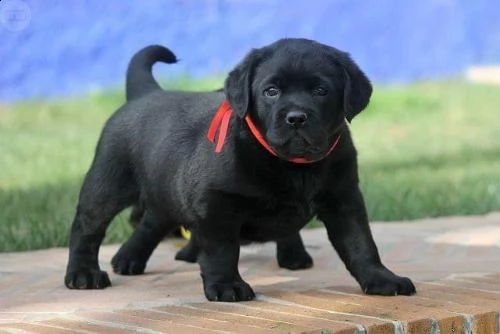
(298, 92)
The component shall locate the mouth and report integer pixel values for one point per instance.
(300, 146)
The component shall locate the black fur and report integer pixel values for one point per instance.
(153, 153)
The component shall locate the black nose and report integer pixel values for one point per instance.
(296, 118)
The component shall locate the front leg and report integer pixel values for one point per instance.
(218, 259)
(345, 218)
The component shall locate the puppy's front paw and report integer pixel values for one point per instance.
(87, 279)
(228, 292)
(127, 265)
(384, 282)
(295, 260)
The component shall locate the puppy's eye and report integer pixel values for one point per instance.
(319, 91)
(272, 92)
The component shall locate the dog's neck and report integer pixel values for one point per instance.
(221, 121)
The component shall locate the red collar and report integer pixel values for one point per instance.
(221, 122)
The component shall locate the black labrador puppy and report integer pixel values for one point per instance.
(255, 162)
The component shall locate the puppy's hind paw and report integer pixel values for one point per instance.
(123, 265)
(89, 279)
(229, 292)
(187, 255)
(295, 261)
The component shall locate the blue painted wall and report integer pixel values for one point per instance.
(72, 47)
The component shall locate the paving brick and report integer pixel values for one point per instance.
(283, 322)
(198, 321)
(372, 323)
(468, 304)
(253, 324)
(440, 305)
(423, 326)
(485, 323)
(480, 252)
(434, 305)
(398, 254)
(333, 321)
(418, 316)
(473, 286)
(451, 325)
(81, 325)
(38, 328)
(492, 279)
(138, 322)
(458, 295)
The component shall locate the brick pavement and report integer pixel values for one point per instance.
(454, 262)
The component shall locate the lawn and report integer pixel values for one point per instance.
(426, 149)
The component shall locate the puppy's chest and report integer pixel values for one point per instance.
(273, 220)
(288, 207)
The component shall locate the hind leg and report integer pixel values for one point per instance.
(108, 188)
(133, 255)
(189, 253)
(137, 213)
(292, 254)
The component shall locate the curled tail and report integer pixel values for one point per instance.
(140, 78)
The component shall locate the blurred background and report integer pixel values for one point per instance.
(83, 47)
(428, 143)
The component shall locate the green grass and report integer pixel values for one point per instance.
(427, 149)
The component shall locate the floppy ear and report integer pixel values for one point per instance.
(357, 89)
(238, 84)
